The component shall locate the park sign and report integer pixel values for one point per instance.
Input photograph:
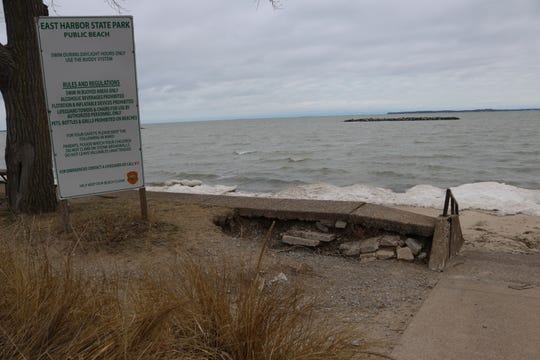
(90, 86)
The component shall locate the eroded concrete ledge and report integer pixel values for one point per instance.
(445, 231)
(354, 212)
(394, 220)
(306, 210)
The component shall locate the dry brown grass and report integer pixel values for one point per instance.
(97, 226)
(193, 310)
(50, 314)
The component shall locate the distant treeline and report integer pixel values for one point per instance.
(454, 111)
(416, 118)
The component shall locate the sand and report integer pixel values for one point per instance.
(489, 231)
(378, 299)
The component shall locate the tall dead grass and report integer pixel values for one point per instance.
(192, 310)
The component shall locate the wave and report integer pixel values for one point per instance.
(296, 159)
(502, 198)
(244, 152)
(192, 187)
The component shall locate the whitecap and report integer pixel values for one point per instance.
(296, 159)
(243, 152)
(184, 182)
(196, 189)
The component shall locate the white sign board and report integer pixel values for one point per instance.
(91, 89)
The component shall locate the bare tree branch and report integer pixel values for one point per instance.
(276, 4)
(7, 64)
(116, 5)
(53, 5)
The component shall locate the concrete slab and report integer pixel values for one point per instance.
(456, 235)
(294, 240)
(486, 307)
(375, 216)
(184, 198)
(390, 219)
(296, 209)
(440, 245)
(446, 243)
(243, 202)
(312, 235)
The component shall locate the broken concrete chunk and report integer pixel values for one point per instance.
(294, 240)
(369, 245)
(351, 248)
(321, 227)
(385, 253)
(327, 223)
(368, 257)
(279, 278)
(389, 240)
(404, 253)
(340, 224)
(414, 245)
(312, 235)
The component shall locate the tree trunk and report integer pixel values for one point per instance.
(30, 186)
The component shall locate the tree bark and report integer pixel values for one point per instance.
(30, 186)
(6, 65)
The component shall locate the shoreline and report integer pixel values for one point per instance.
(459, 111)
(498, 198)
(492, 232)
(483, 230)
(413, 118)
(376, 299)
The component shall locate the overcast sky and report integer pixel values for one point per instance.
(215, 59)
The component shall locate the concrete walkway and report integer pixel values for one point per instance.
(487, 306)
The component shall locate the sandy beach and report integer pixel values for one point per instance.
(492, 232)
(377, 298)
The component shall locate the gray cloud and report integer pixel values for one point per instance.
(225, 59)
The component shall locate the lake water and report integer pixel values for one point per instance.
(490, 159)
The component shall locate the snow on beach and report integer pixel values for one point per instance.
(492, 196)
